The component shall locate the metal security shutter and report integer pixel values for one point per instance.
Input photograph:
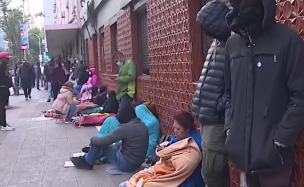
(143, 44)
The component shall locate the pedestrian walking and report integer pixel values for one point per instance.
(26, 74)
(37, 75)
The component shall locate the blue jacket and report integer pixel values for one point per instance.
(196, 179)
(152, 124)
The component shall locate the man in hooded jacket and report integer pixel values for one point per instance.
(209, 100)
(265, 93)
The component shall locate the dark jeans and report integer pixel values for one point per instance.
(94, 91)
(270, 179)
(113, 155)
(55, 88)
(125, 100)
(27, 88)
(37, 83)
(4, 97)
(215, 169)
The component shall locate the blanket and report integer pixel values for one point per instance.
(177, 162)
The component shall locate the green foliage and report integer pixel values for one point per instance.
(11, 20)
(34, 41)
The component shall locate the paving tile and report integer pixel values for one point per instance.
(34, 154)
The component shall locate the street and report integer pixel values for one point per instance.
(34, 154)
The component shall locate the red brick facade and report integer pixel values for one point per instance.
(176, 56)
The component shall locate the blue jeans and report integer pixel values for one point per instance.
(113, 155)
(89, 111)
(77, 89)
(49, 90)
(71, 112)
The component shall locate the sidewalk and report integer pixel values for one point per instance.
(34, 154)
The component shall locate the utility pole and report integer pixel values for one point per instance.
(23, 23)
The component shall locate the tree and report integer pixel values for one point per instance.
(34, 41)
(10, 21)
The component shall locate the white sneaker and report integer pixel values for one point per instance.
(68, 122)
(7, 128)
(11, 127)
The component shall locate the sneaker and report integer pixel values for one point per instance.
(26, 98)
(68, 122)
(48, 100)
(81, 163)
(10, 126)
(7, 128)
(30, 97)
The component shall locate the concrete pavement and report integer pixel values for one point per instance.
(34, 154)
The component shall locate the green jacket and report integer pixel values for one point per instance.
(126, 79)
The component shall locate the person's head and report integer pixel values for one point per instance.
(125, 114)
(247, 14)
(111, 94)
(38, 63)
(183, 123)
(69, 85)
(118, 58)
(58, 64)
(92, 71)
(4, 59)
(102, 89)
(151, 107)
(214, 10)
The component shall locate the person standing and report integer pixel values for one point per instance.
(38, 75)
(26, 74)
(265, 93)
(5, 84)
(209, 100)
(67, 69)
(47, 76)
(126, 80)
(57, 78)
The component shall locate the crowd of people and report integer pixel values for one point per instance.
(249, 103)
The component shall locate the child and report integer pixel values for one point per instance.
(65, 98)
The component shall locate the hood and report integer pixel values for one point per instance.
(65, 89)
(125, 114)
(269, 15)
(92, 70)
(212, 20)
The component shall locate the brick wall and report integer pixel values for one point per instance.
(175, 56)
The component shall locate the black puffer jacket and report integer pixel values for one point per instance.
(209, 100)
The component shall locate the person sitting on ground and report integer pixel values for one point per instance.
(179, 163)
(65, 99)
(127, 156)
(93, 81)
(146, 112)
(97, 106)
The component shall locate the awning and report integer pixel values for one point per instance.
(57, 36)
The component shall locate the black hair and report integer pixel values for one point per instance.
(112, 93)
(102, 89)
(117, 54)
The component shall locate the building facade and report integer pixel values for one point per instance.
(168, 48)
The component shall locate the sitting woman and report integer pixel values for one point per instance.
(65, 99)
(146, 112)
(180, 159)
(97, 106)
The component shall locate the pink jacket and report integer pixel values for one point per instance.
(93, 80)
(64, 100)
